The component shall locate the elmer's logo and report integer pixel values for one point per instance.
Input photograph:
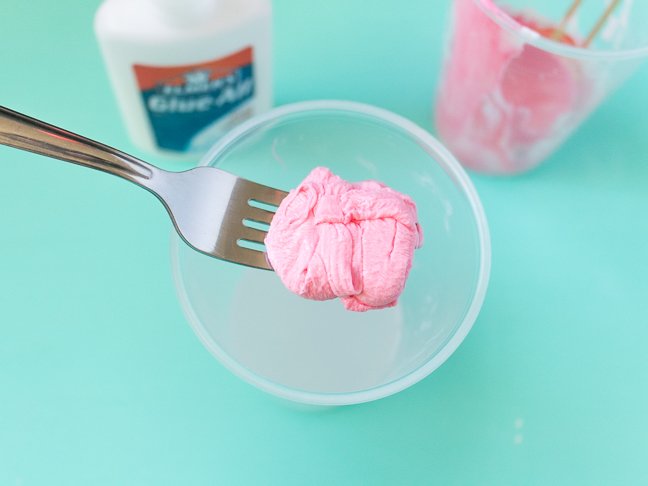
(181, 101)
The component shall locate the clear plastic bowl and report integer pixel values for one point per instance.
(317, 352)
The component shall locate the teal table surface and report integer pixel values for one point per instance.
(102, 382)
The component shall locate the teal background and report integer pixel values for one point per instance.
(102, 382)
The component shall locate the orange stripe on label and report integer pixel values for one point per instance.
(151, 76)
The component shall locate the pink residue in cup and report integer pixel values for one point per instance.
(501, 101)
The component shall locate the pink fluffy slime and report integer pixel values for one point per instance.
(332, 238)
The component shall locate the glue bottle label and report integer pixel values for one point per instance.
(188, 104)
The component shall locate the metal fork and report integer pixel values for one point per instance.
(212, 210)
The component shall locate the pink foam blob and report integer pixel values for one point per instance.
(332, 238)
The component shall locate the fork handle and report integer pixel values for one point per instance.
(26, 133)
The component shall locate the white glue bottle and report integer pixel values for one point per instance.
(186, 71)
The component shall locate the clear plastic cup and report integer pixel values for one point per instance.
(318, 352)
(510, 93)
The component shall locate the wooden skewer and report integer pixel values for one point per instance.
(559, 33)
(601, 22)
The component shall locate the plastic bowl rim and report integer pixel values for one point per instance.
(530, 36)
(447, 160)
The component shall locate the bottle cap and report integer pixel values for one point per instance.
(186, 11)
